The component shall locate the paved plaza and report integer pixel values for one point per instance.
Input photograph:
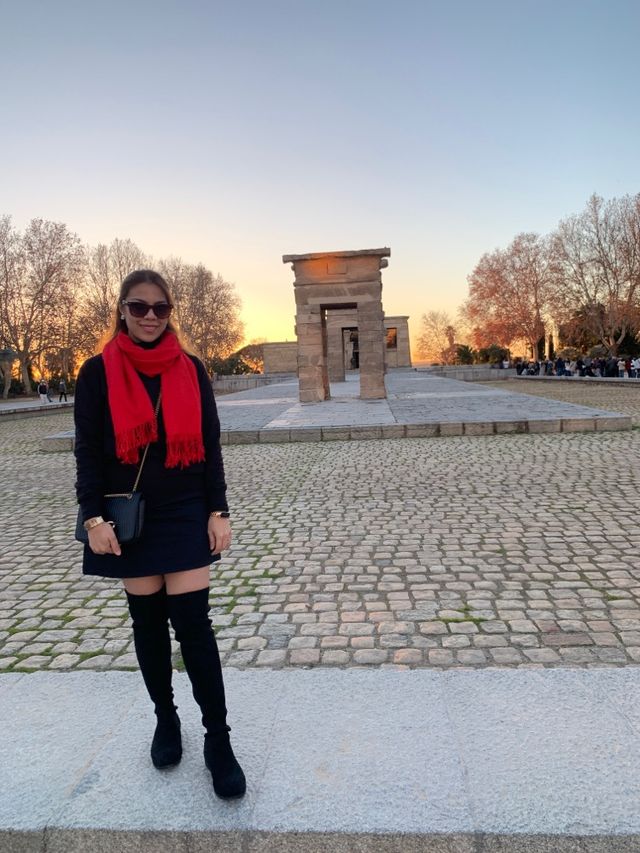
(465, 551)
(617, 395)
(413, 398)
(418, 405)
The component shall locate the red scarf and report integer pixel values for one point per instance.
(134, 422)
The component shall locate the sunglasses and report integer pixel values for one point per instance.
(162, 310)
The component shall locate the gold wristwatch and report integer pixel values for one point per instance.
(220, 513)
(90, 523)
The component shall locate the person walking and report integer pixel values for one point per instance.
(62, 389)
(43, 391)
(146, 388)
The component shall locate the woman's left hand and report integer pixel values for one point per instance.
(219, 530)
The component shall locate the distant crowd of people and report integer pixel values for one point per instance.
(611, 367)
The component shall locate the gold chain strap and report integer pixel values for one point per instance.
(144, 455)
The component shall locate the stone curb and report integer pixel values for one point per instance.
(82, 840)
(14, 414)
(591, 380)
(64, 440)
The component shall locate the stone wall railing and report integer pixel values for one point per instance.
(470, 372)
(232, 384)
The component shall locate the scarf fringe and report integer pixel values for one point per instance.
(129, 443)
(184, 450)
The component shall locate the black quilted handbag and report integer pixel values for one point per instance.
(124, 511)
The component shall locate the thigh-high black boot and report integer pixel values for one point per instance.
(189, 614)
(153, 648)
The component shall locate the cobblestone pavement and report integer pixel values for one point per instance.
(518, 550)
(614, 398)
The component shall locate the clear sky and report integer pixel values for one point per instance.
(234, 132)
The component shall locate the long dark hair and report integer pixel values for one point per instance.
(143, 277)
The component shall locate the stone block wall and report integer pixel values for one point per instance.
(281, 357)
(400, 357)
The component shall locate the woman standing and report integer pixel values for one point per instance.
(43, 391)
(166, 571)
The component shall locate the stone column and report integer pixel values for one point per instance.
(325, 366)
(371, 338)
(335, 351)
(312, 360)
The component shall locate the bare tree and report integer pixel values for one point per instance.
(57, 298)
(208, 308)
(37, 269)
(437, 339)
(599, 255)
(106, 267)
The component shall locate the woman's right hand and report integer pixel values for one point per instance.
(103, 540)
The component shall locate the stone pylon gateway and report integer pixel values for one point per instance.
(339, 280)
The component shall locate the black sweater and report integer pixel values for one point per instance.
(100, 472)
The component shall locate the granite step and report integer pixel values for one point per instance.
(535, 761)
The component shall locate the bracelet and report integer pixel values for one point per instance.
(220, 513)
(90, 523)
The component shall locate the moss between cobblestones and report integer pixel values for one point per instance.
(177, 662)
(86, 655)
(467, 617)
(239, 589)
(45, 653)
(244, 592)
(17, 667)
(607, 596)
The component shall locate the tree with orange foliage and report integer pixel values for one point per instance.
(512, 292)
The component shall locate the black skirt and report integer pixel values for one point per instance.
(174, 539)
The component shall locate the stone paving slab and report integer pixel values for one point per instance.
(335, 760)
(618, 395)
(413, 398)
(418, 405)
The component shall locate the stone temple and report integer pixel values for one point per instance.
(340, 325)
